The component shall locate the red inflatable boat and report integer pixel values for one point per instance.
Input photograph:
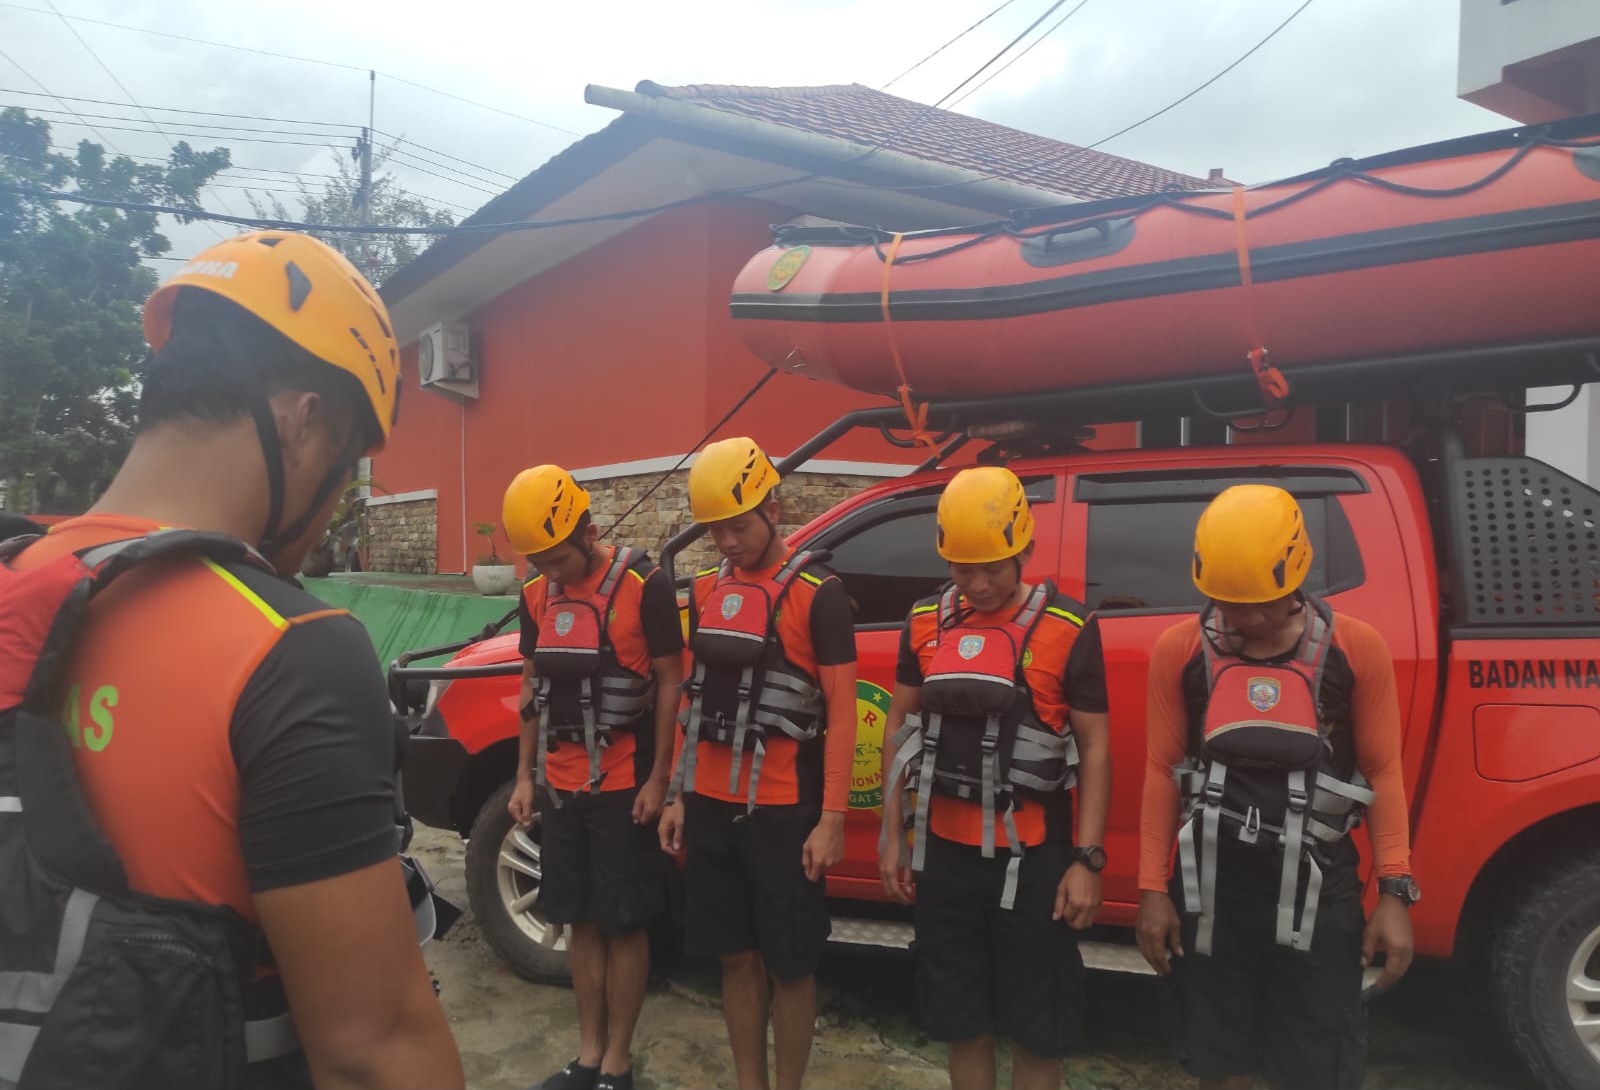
(1487, 240)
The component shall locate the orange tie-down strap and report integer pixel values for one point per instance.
(916, 414)
(1274, 387)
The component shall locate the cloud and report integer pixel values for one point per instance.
(1349, 77)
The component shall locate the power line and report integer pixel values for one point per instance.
(180, 110)
(446, 155)
(1053, 28)
(1049, 11)
(293, 57)
(1246, 55)
(225, 129)
(52, 94)
(410, 160)
(129, 94)
(946, 45)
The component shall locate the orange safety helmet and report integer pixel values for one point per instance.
(983, 517)
(1251, 546)
(541, 509)
(308, 292)
(728, 478)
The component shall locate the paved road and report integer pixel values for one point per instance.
(1432, 1033)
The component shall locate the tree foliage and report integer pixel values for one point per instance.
(72, 281)
(337, 200)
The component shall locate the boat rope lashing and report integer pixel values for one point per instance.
(916, 415)
(1269, 380)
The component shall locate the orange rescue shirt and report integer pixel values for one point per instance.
(817, 631)
(1177, 672)
(642, 625)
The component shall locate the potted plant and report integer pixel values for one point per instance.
(490, 574)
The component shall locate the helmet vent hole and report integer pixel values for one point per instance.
(299, 286)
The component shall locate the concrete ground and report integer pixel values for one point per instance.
(1431, 1033)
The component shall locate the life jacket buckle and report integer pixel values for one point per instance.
(1250, 831)
(1298, 799)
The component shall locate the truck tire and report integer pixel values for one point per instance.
(503, 878)
(1545, 971)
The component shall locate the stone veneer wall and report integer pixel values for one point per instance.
(804, 496)
(403, 536)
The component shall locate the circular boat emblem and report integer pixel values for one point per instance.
(786, 266)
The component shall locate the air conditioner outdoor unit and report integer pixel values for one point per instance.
(444, 359)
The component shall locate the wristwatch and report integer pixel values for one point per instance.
(1092, 856)
(1402, 886)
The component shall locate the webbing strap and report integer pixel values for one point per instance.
(1008, 892)
(1308, 918)
(540, 779)
(991, 778)
(591, 735)
(266, 1038)
(683, 773)
(916, 416)
(758, 754)
(741, 724)
(1294, 830)
(1210, 820)
(1274, 387)
(930, 750)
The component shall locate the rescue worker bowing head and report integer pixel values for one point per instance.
(270, 347)
(546, 518)
(733, 491)
(1251, 556)
(985, 531)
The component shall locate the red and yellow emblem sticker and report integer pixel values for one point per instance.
(786, 266)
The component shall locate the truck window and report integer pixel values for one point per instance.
(1139, 553)
(885, 553)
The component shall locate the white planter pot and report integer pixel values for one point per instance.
(494, 578)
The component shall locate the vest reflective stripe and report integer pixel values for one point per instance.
(770, 694)
(609, 696)
(1039, 759)
(34, 993)
(1319, 808)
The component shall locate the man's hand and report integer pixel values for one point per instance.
(825, 846)
(1159, 930)
(671, 828)
(1389, 930)
(647, 804)
(896, 876)
(1078, 897)
(521, 804)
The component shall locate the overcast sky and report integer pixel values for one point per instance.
(1347, 78)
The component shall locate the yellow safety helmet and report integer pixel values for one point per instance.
(984, 517)
(307, 291)
(542, 508)
(1251, 546)
(728, 478)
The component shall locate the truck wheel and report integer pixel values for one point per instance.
(1545, 969)
(503, 881)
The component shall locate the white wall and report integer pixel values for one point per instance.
(1496, 35)
(1568, 439)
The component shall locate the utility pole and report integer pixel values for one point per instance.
(371, 259)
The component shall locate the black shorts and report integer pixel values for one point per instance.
(982, 969)
(1254, 1006)
(599, 867)
(745, 887)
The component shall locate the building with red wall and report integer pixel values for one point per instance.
(600, 337)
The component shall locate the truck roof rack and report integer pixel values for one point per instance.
(1506, 370)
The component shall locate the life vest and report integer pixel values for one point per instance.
(978, 737)
(743, 686)
(101, 985)
(1266, 719)
(584, 694)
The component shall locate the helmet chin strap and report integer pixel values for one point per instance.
(275, 538)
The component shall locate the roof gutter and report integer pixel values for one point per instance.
(922, 171)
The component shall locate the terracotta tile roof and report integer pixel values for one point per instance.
(866, 116)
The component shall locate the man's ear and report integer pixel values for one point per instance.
(301, 416)
(1026, 554)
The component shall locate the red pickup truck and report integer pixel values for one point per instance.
(1483, 573)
